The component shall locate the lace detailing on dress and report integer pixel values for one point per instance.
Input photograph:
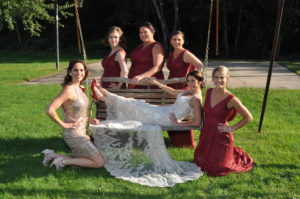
(136, 152)
(121, 108)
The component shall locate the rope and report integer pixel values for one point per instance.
(208, 36)
(79, 31)
(217, 27)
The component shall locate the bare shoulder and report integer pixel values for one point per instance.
(69, 92)
(157, 48)
(233, 102)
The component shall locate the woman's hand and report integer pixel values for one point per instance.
(173, 118)
(136, 79)
(150, 80)
(114, 86)
(71, 125)
(224, 128)
(95, 121)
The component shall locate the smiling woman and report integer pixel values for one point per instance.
(74, 105)
(114, 63)
(216, 153)
(147, 59)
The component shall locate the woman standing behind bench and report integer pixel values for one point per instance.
(180, 63)
(216, 153)
(114, 63)
(148, 58)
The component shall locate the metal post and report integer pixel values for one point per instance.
(274, 49)
(57, 35)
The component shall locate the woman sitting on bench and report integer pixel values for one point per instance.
(187, 102)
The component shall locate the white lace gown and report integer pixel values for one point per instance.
(133, 146)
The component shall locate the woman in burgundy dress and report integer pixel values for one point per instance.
(216, 153)
(147, 59)
(114, 63)
(180, 63)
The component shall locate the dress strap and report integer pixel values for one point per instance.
(75, 92)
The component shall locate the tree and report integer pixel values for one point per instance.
(29, 14)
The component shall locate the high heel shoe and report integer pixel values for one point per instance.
(48, 156)
(59, 163)
(93, 86)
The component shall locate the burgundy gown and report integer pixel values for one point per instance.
(111, 68)
(178, 68)
(142, 61)
(216, 153)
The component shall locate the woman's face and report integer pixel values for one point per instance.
(192, 83)
(220, 80)
(77, 73)
(114, 39)
(177, 41)
(145, 34)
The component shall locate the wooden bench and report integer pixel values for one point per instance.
(152, 96)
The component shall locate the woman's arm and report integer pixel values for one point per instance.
(65, 95)
(158, 58)
(190, 58)
(164, 87)
(120, 58)
(242, 110)
(197, 109)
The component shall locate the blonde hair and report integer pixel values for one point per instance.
(221, 69)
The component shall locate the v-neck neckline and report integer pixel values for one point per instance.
(210, 105)
(174, 58)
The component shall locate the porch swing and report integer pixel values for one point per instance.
(152, 96)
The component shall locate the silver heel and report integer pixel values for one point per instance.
(49, 155)
(59, 163)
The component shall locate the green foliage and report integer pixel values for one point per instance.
(29, 13)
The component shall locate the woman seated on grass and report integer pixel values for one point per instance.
(216, 153)
(74, 103)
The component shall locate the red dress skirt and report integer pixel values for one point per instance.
(178, 68)
(111, 68)
(216, 153)
(142, 61)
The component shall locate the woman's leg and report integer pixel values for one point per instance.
(95, 161)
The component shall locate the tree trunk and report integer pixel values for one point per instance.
(161, 17)
(18, 34)
(175, 24)
(237, 35)
(225, 30)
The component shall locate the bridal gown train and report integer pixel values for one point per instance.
(133, 146)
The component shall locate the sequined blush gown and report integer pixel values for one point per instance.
(78, 141)
(133, 146)
(216, 153)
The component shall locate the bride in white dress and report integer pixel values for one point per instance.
(131, 140)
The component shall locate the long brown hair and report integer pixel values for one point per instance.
(68, 77)
(198, 76)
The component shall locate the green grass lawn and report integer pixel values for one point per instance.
(25, 131)
(293, 66)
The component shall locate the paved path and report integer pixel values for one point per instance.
(243, 74)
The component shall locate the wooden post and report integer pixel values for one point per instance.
(57, 35)
(274, 49)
